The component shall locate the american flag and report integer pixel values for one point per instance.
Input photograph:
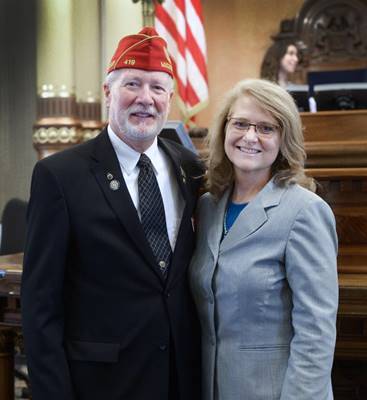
(180, 22)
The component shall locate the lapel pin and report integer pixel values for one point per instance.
(109, 176)
(183, 174)
(114, 184)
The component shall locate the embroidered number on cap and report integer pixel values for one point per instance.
(129, 61)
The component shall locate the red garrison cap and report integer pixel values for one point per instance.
(145, 50)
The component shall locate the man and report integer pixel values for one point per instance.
(107, 312)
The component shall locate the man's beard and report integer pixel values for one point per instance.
(141, 132)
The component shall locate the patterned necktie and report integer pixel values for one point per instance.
(152, 213)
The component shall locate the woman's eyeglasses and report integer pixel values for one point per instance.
(241, 125)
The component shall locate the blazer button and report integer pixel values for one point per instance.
(163, 347)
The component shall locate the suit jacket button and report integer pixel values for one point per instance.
(168, 294)
(163, 347)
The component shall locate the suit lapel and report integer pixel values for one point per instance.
(215, 223)
(106, 168)
(253, 216)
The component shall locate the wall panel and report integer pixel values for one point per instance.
(17, 97)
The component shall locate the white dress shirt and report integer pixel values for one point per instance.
(172, 198)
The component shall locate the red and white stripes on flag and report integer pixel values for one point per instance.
(180, 23)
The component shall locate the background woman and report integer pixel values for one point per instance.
(280, 63)
(264, 275)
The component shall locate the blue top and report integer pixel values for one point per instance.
(232, 212)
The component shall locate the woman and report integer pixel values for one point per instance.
(280, 63)
(264, 274)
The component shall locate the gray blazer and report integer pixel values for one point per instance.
(267, 296)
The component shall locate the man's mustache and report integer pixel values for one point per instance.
(141, 109)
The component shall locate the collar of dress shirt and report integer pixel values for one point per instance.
(128, 157)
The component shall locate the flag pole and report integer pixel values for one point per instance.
(148, 11)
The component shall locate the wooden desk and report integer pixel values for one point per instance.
(336, 146)
(11, 266)
(350, 365)
(10, 321)
(352, 317)
(335, 139)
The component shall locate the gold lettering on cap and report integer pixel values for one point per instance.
(166, 54)
(166, 65)
(129, 61)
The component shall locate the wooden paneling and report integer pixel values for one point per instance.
(336, 144)
(336, 139)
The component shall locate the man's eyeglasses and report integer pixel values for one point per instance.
(241, 125)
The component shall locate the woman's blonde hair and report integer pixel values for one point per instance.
(288, 168)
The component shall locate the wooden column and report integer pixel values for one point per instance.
(6, 364)
(57, 124)
(88, 72)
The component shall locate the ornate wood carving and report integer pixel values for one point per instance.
(333, 30)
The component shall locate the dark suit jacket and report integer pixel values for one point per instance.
(98, 320)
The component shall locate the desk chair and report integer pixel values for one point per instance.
(13, 227)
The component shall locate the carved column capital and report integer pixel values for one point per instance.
(89, 112)
(58, 125)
